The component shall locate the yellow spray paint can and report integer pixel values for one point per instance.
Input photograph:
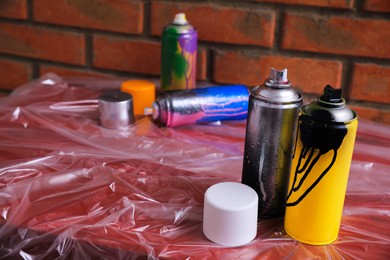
(320, 168)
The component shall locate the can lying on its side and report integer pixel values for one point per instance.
(201, 105)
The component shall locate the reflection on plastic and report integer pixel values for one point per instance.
(71, 189)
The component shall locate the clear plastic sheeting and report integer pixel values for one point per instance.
(72, 189)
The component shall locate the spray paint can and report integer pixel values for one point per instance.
(200, 105)
(178, 54)
(270, 131)
(320, 168)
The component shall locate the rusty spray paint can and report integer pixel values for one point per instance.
(320, 168)
(179, 44)
(272, 117)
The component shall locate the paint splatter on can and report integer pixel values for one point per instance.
(320, 169)
(271, 127)
(200, 105)
(178, 54)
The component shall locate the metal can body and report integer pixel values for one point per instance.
(319, 174)
(269, 140)
(178, 56)
(201, 105)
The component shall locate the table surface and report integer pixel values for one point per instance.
(72, 189)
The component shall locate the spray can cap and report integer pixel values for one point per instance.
(278, 76)
(278, 79)
(116, 109)
(180, 19)
(330, 107)
(331, 95)
(143, 92)
(153, 111)
(277, 89)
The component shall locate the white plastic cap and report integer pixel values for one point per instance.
(230, 213)
(180, 18)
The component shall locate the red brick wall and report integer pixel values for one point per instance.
(345, 43)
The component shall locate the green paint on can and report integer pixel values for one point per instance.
(178, 55)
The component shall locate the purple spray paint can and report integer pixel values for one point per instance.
(178, 54)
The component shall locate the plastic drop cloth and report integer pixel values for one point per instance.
(70, 189)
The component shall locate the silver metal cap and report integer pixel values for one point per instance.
(277, 89)
(116, 109)
(279, 76)
(278, 79)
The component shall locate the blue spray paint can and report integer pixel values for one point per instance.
(201, 105)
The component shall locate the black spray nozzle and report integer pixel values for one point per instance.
(331, 94)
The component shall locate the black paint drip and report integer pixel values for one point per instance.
(317, 138)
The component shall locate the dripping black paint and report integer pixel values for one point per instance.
(318, 137)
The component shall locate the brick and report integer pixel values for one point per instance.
(135, 56)
(348, 4)
(14, 74)
(308, 75)
(370, 83)
(225, 24)
(373, 114)
(201, 64)
(13, 9)
(377, 5)
(71, 72)
(41, 43)
(338, 35)
(111, 15)
(124, 55)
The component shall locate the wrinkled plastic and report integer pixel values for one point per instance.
(70, 188)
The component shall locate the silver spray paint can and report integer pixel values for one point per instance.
(270, 133)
